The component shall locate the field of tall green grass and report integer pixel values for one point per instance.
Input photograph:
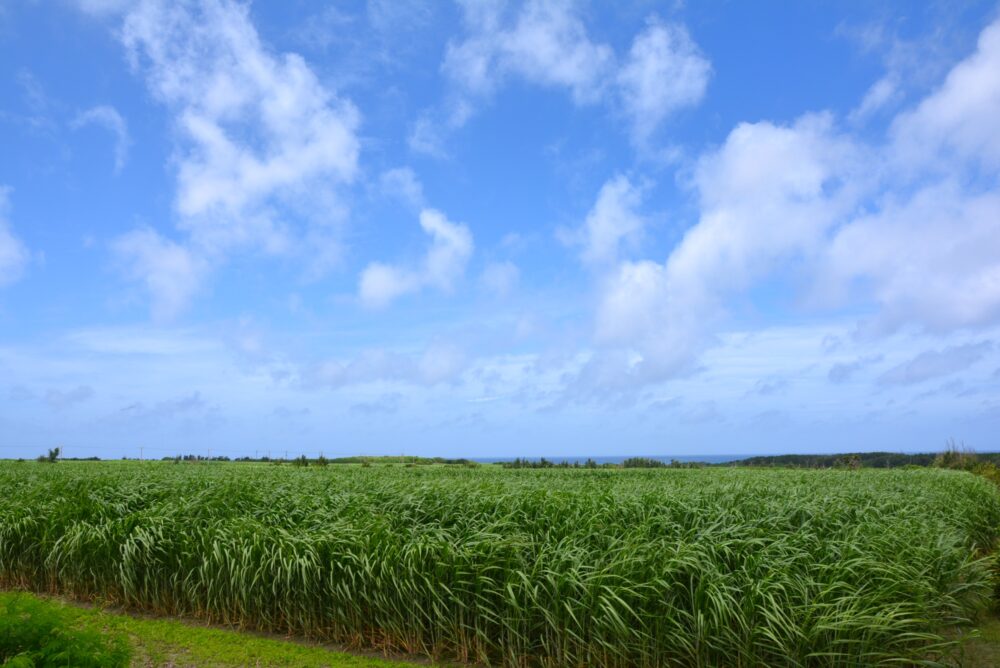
(707, 567)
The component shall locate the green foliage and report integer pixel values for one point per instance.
(642, 463)
(172, 642)
(51, 457)
(649, 463)
(554, 567)
(849, 462)
(956, 456)
(952, 457)
(36, 634)
(544, 463)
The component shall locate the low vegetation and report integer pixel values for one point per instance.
(36, 633)
(543, 567)
(169, 642)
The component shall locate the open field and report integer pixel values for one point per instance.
(529, 567)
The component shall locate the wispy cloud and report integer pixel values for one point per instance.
(841, 372)
(13, 253)
(936, 364)
(108, 117)
(62, 399)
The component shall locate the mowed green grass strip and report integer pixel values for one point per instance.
(709, 567)
(167, 642)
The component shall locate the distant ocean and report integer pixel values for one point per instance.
(618, 459)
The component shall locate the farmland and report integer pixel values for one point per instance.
(522, 567)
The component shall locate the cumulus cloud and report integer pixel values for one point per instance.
(958, 120)
(613, 222)
(443, 264)
(665, 71)
(930, 258)
(918, 246)
(936, 364)
(255, 130)
(13, 254)
(108, 117)
(642, 308)
(767, 196)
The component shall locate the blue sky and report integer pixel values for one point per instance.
(498, 229)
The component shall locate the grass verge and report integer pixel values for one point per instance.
(983, 649)
(175, 643)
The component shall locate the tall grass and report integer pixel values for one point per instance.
(534, 567)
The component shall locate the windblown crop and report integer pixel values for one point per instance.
(714, 567)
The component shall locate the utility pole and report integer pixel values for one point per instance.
(140, 453)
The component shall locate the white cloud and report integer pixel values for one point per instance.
(882, 93)
(931, 259)
(108, 117)
(170, 272)
(381, 284)
(767, 196)
(613, 222)
(255, 131)
(254, 125)
(917, 242)
(642, 309)
(443, 264)
(546, 43)
(959, 119)
(13, 254)
(500, 278)
(665, 71)
(450, 251)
